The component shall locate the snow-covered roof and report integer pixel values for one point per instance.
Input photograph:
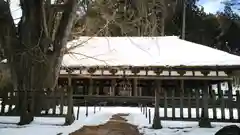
(144, 51)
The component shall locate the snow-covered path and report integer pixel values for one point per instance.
(49, 126)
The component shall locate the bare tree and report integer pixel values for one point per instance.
(34, 48)
(127, 17)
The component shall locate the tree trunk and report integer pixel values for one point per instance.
(34, 50)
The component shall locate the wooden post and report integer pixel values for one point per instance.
(222, 105)
(70, 114)
(219, 88)
(214, 105)
(204, 121)
(149, 116)
(140, 91)
(4, 98)
(143, 110)
(101, 87)
(135, 88)
(156, 119)
(113, 84)
(78, 111)
(189, 97)
(197, 96)
(181, 97)
(230, 99)
(86, 109)
(90, 87)
(94, 109)
(11, 98)
(238, 102)
(165, 103)
(97, 87)
(54, 101)
(130, 91)
(146, 114)
(62, 93)
(173, 104)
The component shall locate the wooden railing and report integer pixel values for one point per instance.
(222, 108)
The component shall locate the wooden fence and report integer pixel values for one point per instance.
(56, 103)
(188, 107)
(221, 108)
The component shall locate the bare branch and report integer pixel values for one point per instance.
(81, 44)
(45, 28)
(65, 25)
(87, 56)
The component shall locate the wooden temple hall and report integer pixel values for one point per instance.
(161, 71)
(136, 66)
(142, 81)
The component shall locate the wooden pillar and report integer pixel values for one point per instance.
(97, 88)
(204, 121)
(135, 88)
(112, 89)
(101, 87)
(230, 99)
(156, 120)
(90, 87)
(70, 114)
(181, 98)
(140, 91)
(219, 88)
(85, 87)
(182, 86)
(210, 90)
(130, 92)
(69, 80)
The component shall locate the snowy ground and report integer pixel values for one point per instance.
(51, 126)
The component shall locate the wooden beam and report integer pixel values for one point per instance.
(195, 68)
(153, 77)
